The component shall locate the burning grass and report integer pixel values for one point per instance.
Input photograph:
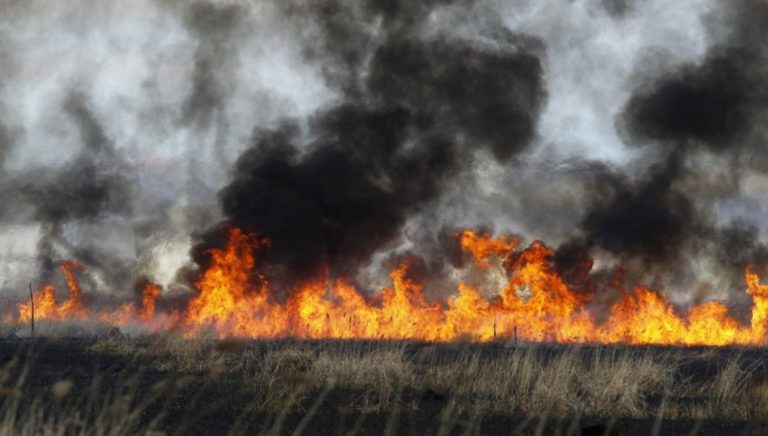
(535, 304)
(151, 383)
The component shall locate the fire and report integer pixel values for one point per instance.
(227, 302)
(535, 304)
(45, 306)
(482, 246)
(143, 314)
(73, 307)
(149, 296)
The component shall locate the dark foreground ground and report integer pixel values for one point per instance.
(175, 386)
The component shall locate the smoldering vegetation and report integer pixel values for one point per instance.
(357, 134)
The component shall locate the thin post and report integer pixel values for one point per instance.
(32, 304)
(495, 318)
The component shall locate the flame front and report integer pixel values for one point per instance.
(44, 301)
(535, 304)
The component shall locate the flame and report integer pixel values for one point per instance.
(130, 314)
(45, 306)
(73, 307)
(535, 304)
(149, 296)
(482, 246)
(227, 302)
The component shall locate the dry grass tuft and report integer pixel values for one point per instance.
(378, 373)
(464, 382)
(527, 382)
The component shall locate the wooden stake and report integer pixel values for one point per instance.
(495, 317)
(32, 304)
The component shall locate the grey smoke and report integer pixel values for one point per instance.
(123, 124)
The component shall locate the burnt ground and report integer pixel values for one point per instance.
(202, 404)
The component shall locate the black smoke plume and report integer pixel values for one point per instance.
(415, 110)
(715, 107)
(430, 117)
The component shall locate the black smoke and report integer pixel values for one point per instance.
(649, 218)
(424, 94)
(710, 110)
(414, 111)
(710, 105)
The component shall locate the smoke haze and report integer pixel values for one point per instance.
(621, 133)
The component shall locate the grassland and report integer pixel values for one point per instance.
(167, 384)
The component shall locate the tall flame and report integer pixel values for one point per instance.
(149, 296)
(45, 306)
(73, 307)
(535, 304)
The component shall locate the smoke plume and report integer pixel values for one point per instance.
(414, 109)
(626, 135)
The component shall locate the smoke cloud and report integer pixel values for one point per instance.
(710, 109)
(422, 108)
(623, 134)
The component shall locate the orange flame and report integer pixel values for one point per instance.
(535, 304)
(482, 246)
(149, 296)
(130, 314)
(45, 304)
(73, 307)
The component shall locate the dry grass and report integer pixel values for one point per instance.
(116, 412)
(595, 381)
(523, 381)
(598, 381)
(169, 351)
(465, 383)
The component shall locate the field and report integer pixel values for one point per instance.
(166, 384)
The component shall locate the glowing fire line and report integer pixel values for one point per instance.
(228, 304)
